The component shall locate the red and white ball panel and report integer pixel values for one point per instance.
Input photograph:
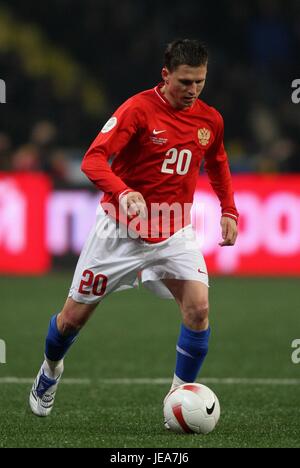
(192, 408)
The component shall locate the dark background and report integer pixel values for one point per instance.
(69, 64)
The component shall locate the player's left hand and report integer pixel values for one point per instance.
(229, 231)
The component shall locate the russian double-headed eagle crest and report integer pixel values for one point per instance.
(204, 136)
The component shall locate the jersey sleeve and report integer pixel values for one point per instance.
(217, 168)
(113, 137)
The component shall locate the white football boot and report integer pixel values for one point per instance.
(42, 394)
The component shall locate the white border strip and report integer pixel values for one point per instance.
(208, 380)
(18, 380)
(158, 381)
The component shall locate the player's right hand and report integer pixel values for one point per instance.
(133, 204)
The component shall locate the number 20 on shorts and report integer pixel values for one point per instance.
(95, 284)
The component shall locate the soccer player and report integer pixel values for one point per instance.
(158, 139)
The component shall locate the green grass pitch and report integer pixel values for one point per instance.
(132, 335)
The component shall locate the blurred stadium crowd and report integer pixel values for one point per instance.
(68, 64)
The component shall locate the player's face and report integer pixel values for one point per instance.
(184, 84)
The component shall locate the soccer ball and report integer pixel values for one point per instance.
(191, 408)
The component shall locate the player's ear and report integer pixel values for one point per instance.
(165, 74)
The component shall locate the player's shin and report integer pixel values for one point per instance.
(56, 347)
(192, 347)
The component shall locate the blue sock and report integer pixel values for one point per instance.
(192, 347)
(56, 344)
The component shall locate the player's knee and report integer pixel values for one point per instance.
(196, 315)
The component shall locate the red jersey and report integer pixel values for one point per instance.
(157, 151)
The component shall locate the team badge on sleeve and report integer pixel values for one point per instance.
(110, 124)
(204, 136)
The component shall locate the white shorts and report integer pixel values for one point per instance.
(112, 262)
